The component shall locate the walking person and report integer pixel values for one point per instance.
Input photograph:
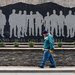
(48, 49)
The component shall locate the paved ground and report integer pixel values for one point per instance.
(37, 74)
(20, 70)
(36, 69)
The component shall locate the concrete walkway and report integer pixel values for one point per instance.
(24, 69)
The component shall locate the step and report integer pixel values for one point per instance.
(17, 48)
(36, 69)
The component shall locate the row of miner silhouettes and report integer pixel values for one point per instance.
(21, 21)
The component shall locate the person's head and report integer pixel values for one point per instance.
(47, 13)
(45, 33)
(37, 12)
(25, 12)
(70, 12)
(54, 11)
(13, 11)
(0, 11)
(31, 12)
(20, 12)
(61, 13)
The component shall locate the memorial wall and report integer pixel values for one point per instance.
(23, 20)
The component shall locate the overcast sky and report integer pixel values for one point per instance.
(67, 3)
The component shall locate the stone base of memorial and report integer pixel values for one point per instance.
(32, 56)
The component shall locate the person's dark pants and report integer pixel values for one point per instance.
(47, 56)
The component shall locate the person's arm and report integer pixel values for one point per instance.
(51, 41)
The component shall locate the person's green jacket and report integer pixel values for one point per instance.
(49, 42)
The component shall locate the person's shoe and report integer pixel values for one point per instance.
(41, 66)
(52, 66)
